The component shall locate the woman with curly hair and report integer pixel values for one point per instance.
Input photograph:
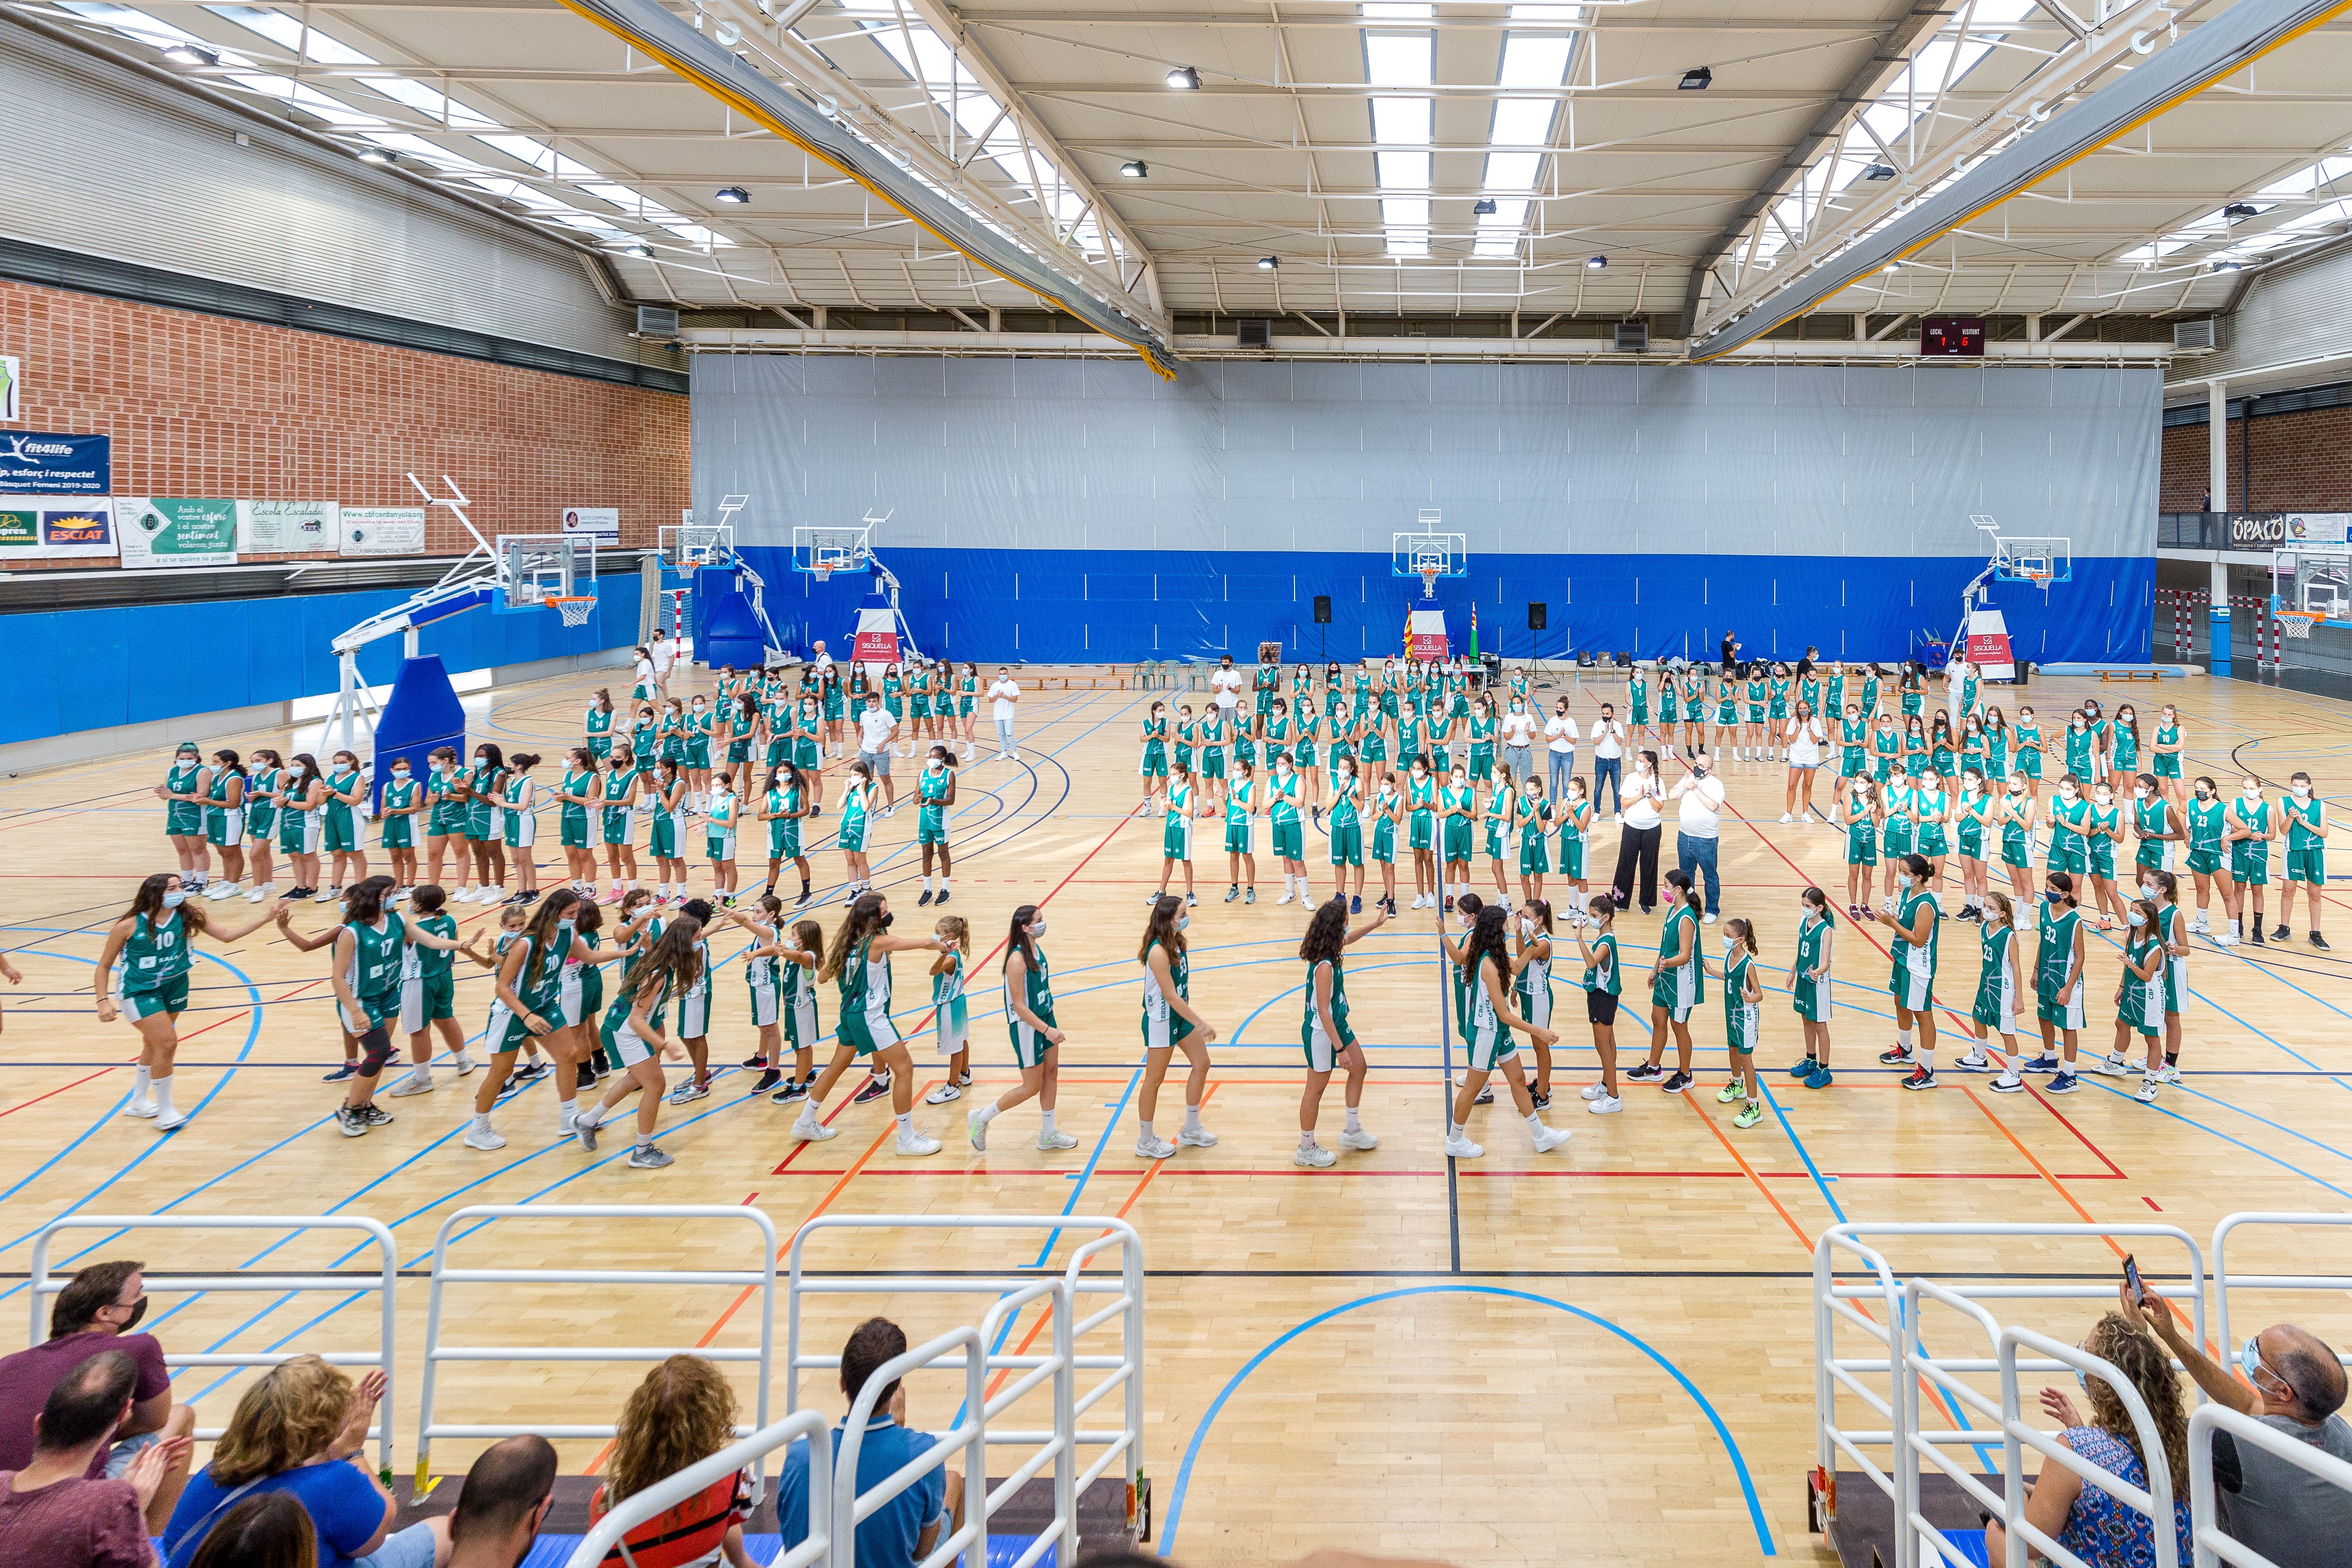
(2100, 1528)
(681, 1415)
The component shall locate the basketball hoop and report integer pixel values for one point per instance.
(575, 611)
(2296, 624)
(821, 570)
(1429, 572)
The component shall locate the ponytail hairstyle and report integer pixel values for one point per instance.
(957, 929)
(1742, 931)
(1680, 881)
(604, 700)
(809, 937)
(588, 919)
(523, 761)
(666, 771)
(228, 763)
(1817, 902)
(1160, 926)
(428, 899)
(1019, 937)
(2211, 787)
(675, 960)
(633, 901)
(583, 759)
(772, 907)
(865, 918)
(2065, 885)
(1603, 910)
(2000, 902)
(1487, 941)
(2168, 886)
(363, 900)
(264, 754)
(1542, 913)
(1918, 866)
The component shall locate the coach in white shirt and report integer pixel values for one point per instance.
(1560, 748)
(1003, 693)
(1700, 827)
(1226, 683)
(1518, 740)
(878, 737)
(1608, 757)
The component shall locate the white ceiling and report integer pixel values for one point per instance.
(1278, 154)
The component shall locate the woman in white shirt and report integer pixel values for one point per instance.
(1637, 841)
(1518, 739)
(1561, 735)
(1802, 738)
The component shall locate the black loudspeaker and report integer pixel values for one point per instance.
(1537, 616)
(1322, 609)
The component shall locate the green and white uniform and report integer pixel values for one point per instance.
(153, 977)
(2099, 843)
(2164, 763)
(931, 811)
(599, 729)
(1602, 976)
(1163, 1027)
(1154, 764)
(2151, 816)
(1240, 835)
(950, 1012)
(1932, 806)
(764, 983)
(1486, 1041)
(1282, 817)
(572, 820)
(261, 804)
(1861, 836)
(1454, 813)
(341, 826)
(1322, 1050)
(1996, 1005)
(2051, 962)
(617, 827)
(2206, 819)
(223, 828)
(1810, 997)
(621, 1042)
(1975, 806)
(1176, 822)
(718, 825)
(1913, 980)
(1384, 805)
(2307, 851)
(2141, 1003)
(800, 1005)
(864, 984)
(184, 819)
(1029, 1042)
(1679, 990)
(2016, 830)
(518, 802)
(851, 832)
(538, 986)
(1740, 1023)
(784, 832)
(394, 819)
(1531, 987)
(428, 983)
(1346, 822)
(374, 974)
(2250, 858)
(2068, 850)
(298, 825)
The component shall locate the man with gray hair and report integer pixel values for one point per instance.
(2294, 1385)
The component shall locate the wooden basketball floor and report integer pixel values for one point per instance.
(1610, 1345)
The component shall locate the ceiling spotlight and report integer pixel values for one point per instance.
(1878, 172)
(642, 252)
(1889, 268)
(1484, 206)
(1134, 169)
(2237, 210)
(2229, 266)
(189, 55)
(376, 155)
(1596, 263)
(1694, 80)
(733, 195)
(1268, 263)
(1185, 79)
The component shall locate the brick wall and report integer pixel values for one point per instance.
(2300, 462)
(204, 405)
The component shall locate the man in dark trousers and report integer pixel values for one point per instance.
(1730, 648)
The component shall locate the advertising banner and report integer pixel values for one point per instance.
(602, 522)
(43, 465)
(877, 641)
(1989, 645)
(1428, 635)
(286, 527)
(12, 394)
(2316, 528)
(172, 530)
(383, 531)
(44, 528)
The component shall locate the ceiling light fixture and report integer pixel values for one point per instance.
(1878, 172)
(1268, 263)
(1596, 263)
(733, 195)
(1484, 206)
(1695, 80)
(189, 55)
(642, 252)
(2237, 210)
(1887, 268)
(376, 155)
(2228, 265)
(1185, 79)
(1134, 169)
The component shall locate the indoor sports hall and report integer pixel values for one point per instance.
(857, 783)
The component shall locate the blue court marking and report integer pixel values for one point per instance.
(2274, 1126)
(1799, 1144)
(2206, 1127)
(2108, 937)
(1201, 1433)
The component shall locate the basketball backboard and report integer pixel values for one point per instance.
(689, 546)
(2041, 560)
(2316, 579)
(1428, 552)
(821, 549)
(536, 569)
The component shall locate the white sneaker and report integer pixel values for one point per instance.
(566, 1115)
(976, 1129)
(2167, 1074)
(1550, 1139)
(1286, 897)
(2008, 1083)
(327, 896)
(941, 1094)
(1314, 1156)
(1975, 1061)
(142, 1109)
(1197, 1138)
(1786, 817)
(2146, 1092)
(1459, 1147)
(223, 891)
(915, 1142)
(1017, 756)
(1359, 1140)
(1706, 920)
(1804, 816)
(260, 894)
(1153, 1147)
(1593, 1091)
(476, 1138)
(407, 1085)
(809, 1129)
(1047, 1142)
(463, 1063)
(1604, 1104)
(177, 1119)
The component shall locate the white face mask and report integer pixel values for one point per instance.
(400, 773)
(2136, 917)
(934, 765)
(1903, 880)
(2302, 789)
(2139, 792)
(1037, 929)
(1420, 772)
(173, 901)
(2253, 792)
(2067, 791)
(2148, 890)
(1183, 923)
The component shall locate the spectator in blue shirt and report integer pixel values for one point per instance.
(904, 1531)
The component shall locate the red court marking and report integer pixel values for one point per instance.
(1802, 1239)
(2100, 1154)
(2150, 1203)
(76, 1084)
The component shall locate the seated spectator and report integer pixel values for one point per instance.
(93, 1314)
(2293, 1385)
(507, 1496)
(2100, 1528)
(904, 1531)
(53, 1514)
(302, 1429)
(264, 1529)
(681, 1415)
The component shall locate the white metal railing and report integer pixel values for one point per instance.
(1837, 1302)
(762, 1278)
(1122, 1369)
(1911, 1521)
(2214, 1546)
(2224, 1281)
(2018, 1434)
(381, 1280)
(663, 1495)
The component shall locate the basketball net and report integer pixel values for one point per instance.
(1428, 581)
(2296, 624)
(821, 570)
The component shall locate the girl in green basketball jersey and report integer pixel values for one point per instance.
(1677, 985)
(1486, 1038)
(428, 995)
(1457, 811)
(1240, 800)
(367, 961)
(2247, 831)
(529, 987)
(951, 1010)
(664, 793)
(2124, 743)
(1169, 1024)
(1996, 1002)
(1531, 819)
(1346, 831)
(347, 793)
(968, 710)
(616, 793)
(153, 941)
(1421, 832)
(1531, 984)
(183, 793)
(397, 814)
(444, 823)
(856, 795)
(797, 956)
(224, 791)
(2016, 818)
(858, 961)
(2162, 888)
(597, 726)
(1329, 1043)
(301, 801)
(1741, 994)
(632, 1032)
(723, 807)
(699, 730)
(1036, 1039)
(2165, 750)
(1153, 768)
(1178, 811)
(2139, 998)
(1602, 986)
(2208, 859)
(935, 795)
(483, 786)
(2305, 818)
(261, 820)
(2102, 839)
(1972, 827)
(2058, 981)
(1386, 812)
(1885, 749)
(1914, 922)
(518, 824)
(782, 805)
(1809, 986)
(1857, 813)
(575, 796)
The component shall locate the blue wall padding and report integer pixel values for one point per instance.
(1097, 605)
(422, 713)
(91, 669)
(726, 628)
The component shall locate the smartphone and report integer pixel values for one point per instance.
(2132, 1281)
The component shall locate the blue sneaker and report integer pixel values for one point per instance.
(1820, 1078)
(1805, 1069)
(2040, 1064)
(1356, 904)
(2065, 1083)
